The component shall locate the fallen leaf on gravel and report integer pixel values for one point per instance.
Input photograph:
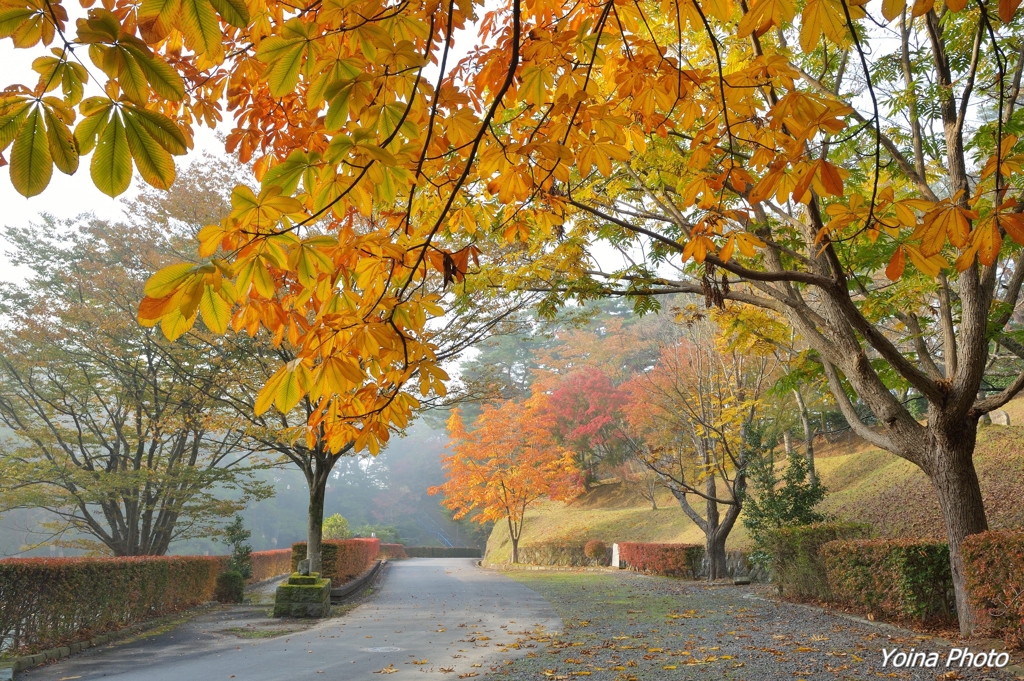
(468, 675)
(670, 666)
(447, 670)
(423, 661)
(390, 669)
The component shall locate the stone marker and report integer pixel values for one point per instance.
(999, 417)
(303, 568)
(615, 556)
(303, 596)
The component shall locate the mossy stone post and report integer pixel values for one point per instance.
(303, 596)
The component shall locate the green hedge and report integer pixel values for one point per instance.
(673, 560)
(442, 552)
(49, 602)
(995, 582)
(560, 553)
(342, 560)
(796, 565)
(898, 578)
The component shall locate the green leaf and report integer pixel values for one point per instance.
(284, 57)
(154, 163)
(11, 20)
(111, 166)
(162, 129)
(89, 129)
(162, 77)
(291, 390)
(233, 12)
(166, 281)
(201, 28)
(11, 123)
(31, 164)
(131, 78)
(287, 173)
(63, 149)
(337, 112)
(215, 310)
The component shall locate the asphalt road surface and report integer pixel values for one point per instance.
(442, 617)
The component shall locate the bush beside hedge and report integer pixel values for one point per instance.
(995, 582)
(895, 578)
(47, 602)
(796, 565)
(442, 552)
(342, 560)
(393, 551)
(673, 560)
(230, 588)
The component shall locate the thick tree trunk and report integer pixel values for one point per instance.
(515, 550)
(950, 466)
(315, 527)
(717, 568)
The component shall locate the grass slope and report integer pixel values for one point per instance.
(865, 484)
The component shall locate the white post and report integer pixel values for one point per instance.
(615, 556)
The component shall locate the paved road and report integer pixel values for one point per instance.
(456, 617)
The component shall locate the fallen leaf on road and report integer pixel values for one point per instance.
(468, 675)
(390, 669)
(423, 661)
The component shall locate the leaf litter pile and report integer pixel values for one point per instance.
(631, 627)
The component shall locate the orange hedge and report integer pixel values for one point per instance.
(892, 577)
(343, 559)
(49, 602)
(995, 582)
(267, 564)
(674, 560)
(393, 551)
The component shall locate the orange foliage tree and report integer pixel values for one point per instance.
(505, 464)
(688, 420)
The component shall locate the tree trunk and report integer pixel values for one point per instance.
(950, 467)
(515, 550)
(805, 419)
(717, 568)
(315, 527)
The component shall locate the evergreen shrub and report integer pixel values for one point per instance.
(673, 560)
(995, 582)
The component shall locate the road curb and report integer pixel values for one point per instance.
(9, 667)
(357, 583)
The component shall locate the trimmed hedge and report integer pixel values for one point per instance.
(560, 553)
(393, 551)
(673, 560)
(995, 582)
(267, 564)
(796, 565)
(895, 578)
(342, 560)
(47, 602)
(442, 552)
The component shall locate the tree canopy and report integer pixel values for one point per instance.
(853, 166)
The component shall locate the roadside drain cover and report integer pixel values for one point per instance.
(383, 649)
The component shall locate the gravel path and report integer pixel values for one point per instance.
(629, 627)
